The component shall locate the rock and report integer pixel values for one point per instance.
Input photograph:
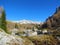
(6, 39)
(53, 22)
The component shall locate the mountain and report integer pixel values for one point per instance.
(26, 22)
(53, 22)
(22, 24)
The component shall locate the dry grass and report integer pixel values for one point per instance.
(43, 40)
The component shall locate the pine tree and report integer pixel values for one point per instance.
(3, 21)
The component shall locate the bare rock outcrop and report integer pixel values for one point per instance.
(53, 22)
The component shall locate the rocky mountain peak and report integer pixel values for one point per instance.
(53, 22)
(58, 8)
(1, 9)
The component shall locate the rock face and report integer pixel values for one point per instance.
(9, 39)
(53, 22)
(6, 39)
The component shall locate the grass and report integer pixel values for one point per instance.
(44, 39)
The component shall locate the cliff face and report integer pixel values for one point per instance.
(53, 22)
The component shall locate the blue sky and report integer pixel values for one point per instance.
(36, 10)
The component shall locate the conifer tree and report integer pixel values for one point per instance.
(3, 21)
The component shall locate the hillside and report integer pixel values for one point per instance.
(22, 25)
(53, 22)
